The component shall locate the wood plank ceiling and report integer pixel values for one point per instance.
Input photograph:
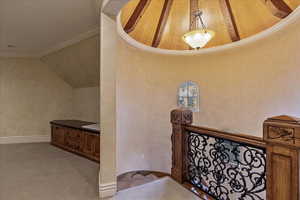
(161, 23)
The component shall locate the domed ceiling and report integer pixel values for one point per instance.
(162, 23)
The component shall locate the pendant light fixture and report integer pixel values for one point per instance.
(200, 36)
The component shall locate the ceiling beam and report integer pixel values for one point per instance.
(230, 20)
(136, 15)
(193, 8)
(278, 8)
(162, 22)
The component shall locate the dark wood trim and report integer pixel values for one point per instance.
(75, 152)
(241, 138)
(284, 9)
(179, 118)
(75, 124)
(193, 9)
(278, 8)
(162, 22)
(136, 15)
(282, 134)
(281, 143)
(230, 20)
(281, 5)
(77, 141)
(285, 161)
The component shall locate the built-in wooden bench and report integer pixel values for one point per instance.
(71, 136)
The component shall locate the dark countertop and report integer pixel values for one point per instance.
(76, 124)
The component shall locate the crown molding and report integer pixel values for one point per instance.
(98, 6)
(40, 53)
(70, 42)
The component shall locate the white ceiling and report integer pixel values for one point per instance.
(38, 25)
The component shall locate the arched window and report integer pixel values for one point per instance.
(188, 96)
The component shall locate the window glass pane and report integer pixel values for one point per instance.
(188, 96)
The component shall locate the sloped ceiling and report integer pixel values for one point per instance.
(33, 26)
(78, 64)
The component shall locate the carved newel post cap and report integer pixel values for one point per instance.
(181, 116)
(284, 119)
(283, 130)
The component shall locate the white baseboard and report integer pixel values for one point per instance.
(107, 190)
(24, 139)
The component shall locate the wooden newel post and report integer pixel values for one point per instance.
(179, 118)
(282, 135)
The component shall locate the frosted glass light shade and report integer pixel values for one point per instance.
(198, 38)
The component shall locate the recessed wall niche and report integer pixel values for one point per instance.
(188, 96)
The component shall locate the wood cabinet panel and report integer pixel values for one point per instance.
(58, 136)
(282, 172)
(91, 145)
(97, 148)
(73, 138)
(78, 141)
(281, 162)
(282, 134)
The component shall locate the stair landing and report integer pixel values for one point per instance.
(161, 189)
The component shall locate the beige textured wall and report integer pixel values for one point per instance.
(238, 89)
(30, 96)
(77, 64)
(107, 178)
(34, 92)
(86, 104)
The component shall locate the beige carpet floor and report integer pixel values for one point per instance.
(160, 189)
(43, 172)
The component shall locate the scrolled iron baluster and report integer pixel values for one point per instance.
(225, 169)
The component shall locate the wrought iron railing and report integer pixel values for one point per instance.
(218, 165)
(226, 169)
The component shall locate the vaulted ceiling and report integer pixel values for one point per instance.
(33, 26)
(77, 64)
(162, 23)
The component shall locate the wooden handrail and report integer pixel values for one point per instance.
(241, 138)
(280, 148)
